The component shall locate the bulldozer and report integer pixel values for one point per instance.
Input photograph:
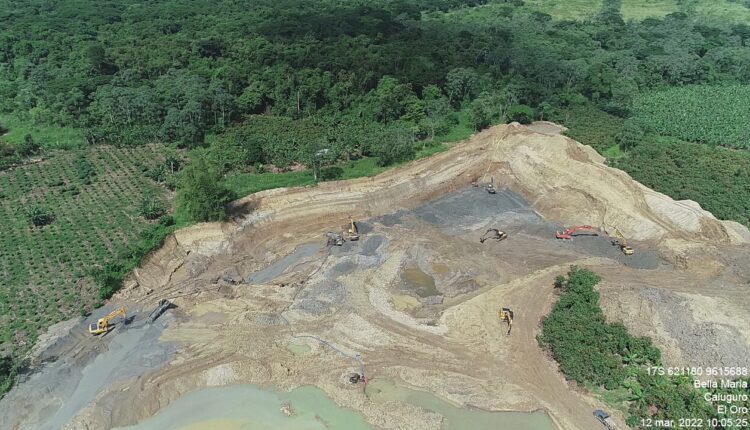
(493, 233)
(568, 232)
(103, 325)
(622, 243)
(353, 232)
(507, 315)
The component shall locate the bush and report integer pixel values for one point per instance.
(8, 373)
(717, 178)
(331, 173)
(151, 208)
(28, 146)
(84, 169)
(394, 145)
(591, 351)
(520, 113)
(40, 216)
(157, 173)
(630, 135)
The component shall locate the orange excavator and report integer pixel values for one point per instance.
(568, 233)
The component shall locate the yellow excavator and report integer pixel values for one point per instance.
(353, 232)
(507, 315)
(622, 243)
(103, 326)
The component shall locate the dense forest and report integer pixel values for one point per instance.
(216, 99)
(130, 72)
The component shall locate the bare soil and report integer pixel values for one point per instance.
(248, 292)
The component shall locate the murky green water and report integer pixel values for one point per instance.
(249, 407)
(299, 347)
(456, 418)
(418, 281)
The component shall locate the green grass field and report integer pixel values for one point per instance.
(583, 9)
(50, 137)
(723, 11)
(43, 269)
(711, 10)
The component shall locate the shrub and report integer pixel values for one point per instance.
(394, 145)
(151, 208)
(331, 173)
(39, 216)
(157, 173)
(28, 146)
(630, 135)
(84, 169)
(521, 113)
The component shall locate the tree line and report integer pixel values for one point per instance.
(131, 72)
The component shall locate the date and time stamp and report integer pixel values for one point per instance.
(732, 406)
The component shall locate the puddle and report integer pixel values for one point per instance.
(455, 417)
(419, 282)
(299, 348)
(245, 407)
(277, 268)
(441, 269)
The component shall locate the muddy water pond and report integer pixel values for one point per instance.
(299, 348)
(456, 418)
(250, 407)
(421, 283)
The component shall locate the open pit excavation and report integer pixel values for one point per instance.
(399, 329)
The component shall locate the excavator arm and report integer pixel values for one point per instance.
(568, 233)
(353, 232)
(102, 325)
(507, 315)
(623, 243)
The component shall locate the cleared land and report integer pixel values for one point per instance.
(43, 269)
(417, 296)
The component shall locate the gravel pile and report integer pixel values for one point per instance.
(703, 344)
